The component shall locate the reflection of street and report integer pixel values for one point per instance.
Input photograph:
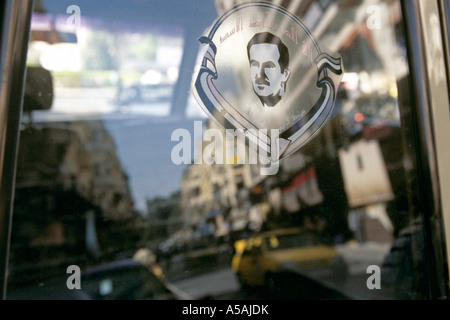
(78, 101)
(223, 285)
(87, 103)
(210, 277)
(189, 265)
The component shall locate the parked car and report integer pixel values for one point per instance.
(285, 251)
(126, 279)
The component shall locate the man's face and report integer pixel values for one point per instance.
(265, 70)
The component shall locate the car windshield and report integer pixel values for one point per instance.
(129, 154)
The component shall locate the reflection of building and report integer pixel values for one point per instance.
(71, 196)
(209, 187)
(91, 163)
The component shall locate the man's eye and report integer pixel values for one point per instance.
(254, 64)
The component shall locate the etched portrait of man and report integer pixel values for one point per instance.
(269, 67)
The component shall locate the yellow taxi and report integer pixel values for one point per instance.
(259, 259)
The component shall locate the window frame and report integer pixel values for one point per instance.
(430, 127)
(15, 28)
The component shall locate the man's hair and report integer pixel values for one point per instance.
(267, 37)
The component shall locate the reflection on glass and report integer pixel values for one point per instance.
(103, 67)
(96, 182)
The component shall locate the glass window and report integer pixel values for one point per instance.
(97, 178)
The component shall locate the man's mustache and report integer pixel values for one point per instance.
(262, 81)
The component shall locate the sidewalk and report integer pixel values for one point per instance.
(210, 284)
(360, 256)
